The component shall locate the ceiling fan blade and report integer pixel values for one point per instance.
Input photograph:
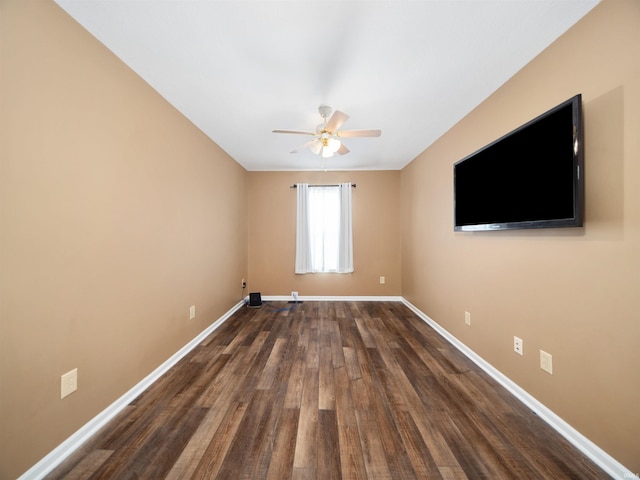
(342, 150)
(359, 133)
(336, 121)
(310, 144)
(297, 132)
(315, 146)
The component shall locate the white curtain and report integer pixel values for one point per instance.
(323, 229)
(345, 250)
(303, 246)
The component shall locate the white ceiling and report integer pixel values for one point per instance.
(239, 69)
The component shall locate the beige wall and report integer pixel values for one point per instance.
(570, 292)
(376, 234)
(117, 215)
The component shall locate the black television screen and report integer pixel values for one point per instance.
(530, 178)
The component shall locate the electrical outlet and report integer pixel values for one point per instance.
(294, 295)
(68, 383)
(546, 362)
(467, 318)
(192, 312)
(382, 280)
(518, 346)
(244, 284)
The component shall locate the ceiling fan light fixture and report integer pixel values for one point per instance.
(330, 146)
(334, 144)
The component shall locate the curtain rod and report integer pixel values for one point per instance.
(295, 185)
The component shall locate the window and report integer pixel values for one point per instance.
(323, 230)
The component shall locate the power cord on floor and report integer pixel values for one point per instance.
(281, 309)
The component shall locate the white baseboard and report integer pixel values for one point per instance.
(312, 298)
(591, 450)
(582, 443)
(71, 444)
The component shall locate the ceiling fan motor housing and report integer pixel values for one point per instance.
(324, 111)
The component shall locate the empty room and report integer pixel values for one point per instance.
(317, 239)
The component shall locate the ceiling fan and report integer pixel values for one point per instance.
(327, 137)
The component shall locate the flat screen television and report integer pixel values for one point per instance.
(531, 177)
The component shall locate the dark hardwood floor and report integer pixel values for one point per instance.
(326, 390)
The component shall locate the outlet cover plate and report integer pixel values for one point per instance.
(518, 345)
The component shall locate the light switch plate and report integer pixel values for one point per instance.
(68, 383)
(546, 362)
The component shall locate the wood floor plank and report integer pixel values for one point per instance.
(273, 364)
(351, 362)
(313, 347)
(395, 452)
(374, 456)
(328, 445)
(351, 456)
(337, 354)
(281, 464)
(306, 454)
(421, 459)
(326, 390)
(167, 443)
(211, 461)
(327, 393)
(88, 465)
(129, 457)
(345, 407)
(463, 450)
(293, 397)
(253, 440)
